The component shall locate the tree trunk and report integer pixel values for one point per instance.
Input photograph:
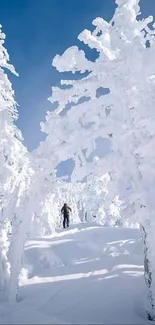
(148, 274)
(20, 228)
(4, 263)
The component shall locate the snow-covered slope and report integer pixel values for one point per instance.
(86, 274)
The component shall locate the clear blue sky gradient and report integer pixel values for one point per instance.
(36, 31)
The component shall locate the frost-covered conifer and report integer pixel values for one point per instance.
(15, 173)
(126, 115)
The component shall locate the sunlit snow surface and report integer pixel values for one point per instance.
(86, 274)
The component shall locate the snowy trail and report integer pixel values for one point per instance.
(86, 274)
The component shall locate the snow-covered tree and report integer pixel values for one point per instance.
(126, 66)
(14, 174)
(93, 198)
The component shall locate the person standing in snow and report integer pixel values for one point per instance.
(65, 211)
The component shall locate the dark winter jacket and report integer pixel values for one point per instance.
(66, 209)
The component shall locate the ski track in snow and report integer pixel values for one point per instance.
(83, 275)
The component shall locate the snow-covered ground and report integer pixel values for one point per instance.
(84, 275)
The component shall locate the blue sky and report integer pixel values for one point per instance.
(36, 31)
